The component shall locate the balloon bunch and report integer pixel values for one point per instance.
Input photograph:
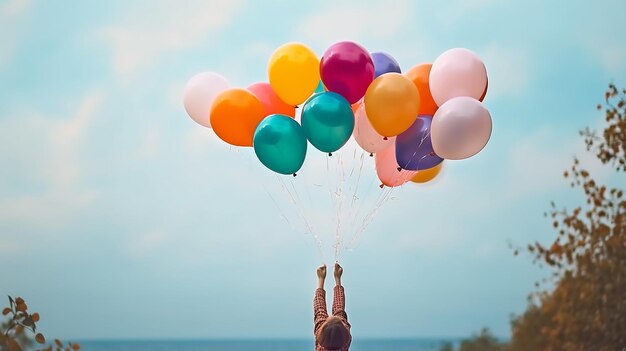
(411, 121)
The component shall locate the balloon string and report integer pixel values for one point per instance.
(247, 162)
(351, 214)
(340, 195)
(309, 228)
(362, 199)
(362, 214)
(383, 198)
(369, 218)
(358, 231)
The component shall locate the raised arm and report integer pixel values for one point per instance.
(320, 314)
(339, 298)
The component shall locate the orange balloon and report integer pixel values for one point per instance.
(273, 104)
(235, 115)
(427, 175)
(356, 105)
(392, 103)
(419, 76)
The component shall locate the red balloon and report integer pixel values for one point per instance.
(272, 103)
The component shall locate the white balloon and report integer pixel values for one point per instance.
(199, 94)
(461, 128)
(457, 72)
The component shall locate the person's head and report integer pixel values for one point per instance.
(333, 334)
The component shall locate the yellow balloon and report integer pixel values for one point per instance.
(427, 175)
(392, 103)
(294, 72)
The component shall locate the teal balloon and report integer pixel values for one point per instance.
(320, 88)
(280, 144)
(328, 121)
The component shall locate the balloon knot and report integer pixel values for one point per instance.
(297, 106)
(399, 169)
(371, 154)
(385, 138)
(330, 154)
(294, 174)
(381, 186)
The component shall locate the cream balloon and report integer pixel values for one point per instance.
(457, 72)
(366, 136)
(199, 94)
(461, 128)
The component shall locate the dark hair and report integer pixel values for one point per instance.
(333, 334)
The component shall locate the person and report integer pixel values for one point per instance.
(331, 333)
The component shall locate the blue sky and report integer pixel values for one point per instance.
(119, 215)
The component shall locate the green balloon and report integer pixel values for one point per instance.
(328, 121)
(280, 144)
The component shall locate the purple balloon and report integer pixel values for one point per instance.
(347, 69)
(414, 149)
(384, 63)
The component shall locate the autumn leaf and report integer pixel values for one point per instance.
(40, 338)
(12, 345)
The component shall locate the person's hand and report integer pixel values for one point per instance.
(321, 272)
(338, 270)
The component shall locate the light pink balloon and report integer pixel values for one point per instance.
(461, 128)
(366, 136)
(199, 93)
(387, 168)
(457, 72)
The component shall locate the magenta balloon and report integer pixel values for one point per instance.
(347, 69)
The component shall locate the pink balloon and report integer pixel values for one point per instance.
(461, 128)
(366, 136)
(387, 168)
(457, 72)
(199, 94)
(347, 69)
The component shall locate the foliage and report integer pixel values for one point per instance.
(611, 146)
(13, 332)
(587, 308)
(484, 341)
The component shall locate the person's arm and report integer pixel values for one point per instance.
(320, 314)
(339, 298)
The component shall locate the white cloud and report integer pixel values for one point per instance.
(508, 70)
(7, 246)
(11, 19)
(537, 162)
(150, 144)
(146, 244)
(355, 21)
(46, 150)
(601, 39)
(610, 53)
(160, 27)
(463, 8)
(14, 8)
